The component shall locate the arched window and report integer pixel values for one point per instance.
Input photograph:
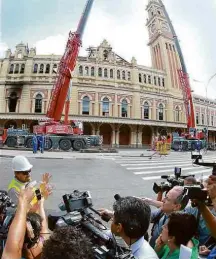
(146, 110)
(118, 74)
(123, 75)
(140, 78)
(12, 102)
(92, 71)
(129, 76)
(124, 108)
(41, 69)
(22, 69)
(144, 77)
(163, 82)
(159, 81)
(47, 69)
(105, 73)
(105, 106)
(203, 121)
(197, 118)
(86, 71)
(11, 69)
(55, 68)
(111, 73)
(16, 69)
(35, 68)
(177, 114)
(155, 80)
(81, 71)
(149, 80)
(161, 112)
(100, 72)
(86, 105)
(38, 103)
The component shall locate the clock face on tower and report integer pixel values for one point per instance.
(165, 27)
(153, 28)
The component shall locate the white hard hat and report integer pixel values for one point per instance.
(21, 164)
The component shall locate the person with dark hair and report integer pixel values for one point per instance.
(131, 221)
(174, 200)
(190, 180)
(180, 230)
(67, 243)
(28, 230)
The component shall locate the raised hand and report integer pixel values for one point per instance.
(46, 178)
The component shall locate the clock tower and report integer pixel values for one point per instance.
(163, 50)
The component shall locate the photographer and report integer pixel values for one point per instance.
(206, 213)
(179, 230)
(67, 243)
(175, 200)
(131, 218)
(16, 234)
(203, 230)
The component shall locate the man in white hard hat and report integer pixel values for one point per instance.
(22, 176)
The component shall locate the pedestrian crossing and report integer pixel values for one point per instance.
(153, 169)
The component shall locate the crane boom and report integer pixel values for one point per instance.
(183, 77)
(66, 66)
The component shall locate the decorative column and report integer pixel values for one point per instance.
(18, 106)
(154, 111)
(115, 139)
(6, 106)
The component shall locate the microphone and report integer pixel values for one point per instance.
(164, 176)
(117, 197)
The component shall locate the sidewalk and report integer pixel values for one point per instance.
(74, 155)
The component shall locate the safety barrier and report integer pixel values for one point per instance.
(163, 148)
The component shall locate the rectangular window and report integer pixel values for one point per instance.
(197, 118)
(212, 120)
(149, 80)
(203, 122)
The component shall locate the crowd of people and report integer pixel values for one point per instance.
(178, 224)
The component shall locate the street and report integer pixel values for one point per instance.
(125, 173)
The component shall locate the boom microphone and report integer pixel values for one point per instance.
(117, 197)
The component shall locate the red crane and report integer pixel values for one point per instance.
(66, 66)
(65, 135)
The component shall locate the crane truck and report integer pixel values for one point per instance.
(67, 134)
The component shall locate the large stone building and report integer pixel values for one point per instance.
(125, 102)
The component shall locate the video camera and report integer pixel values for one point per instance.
(197, 192)
(176, 180)
(6, 216)
(78, 206)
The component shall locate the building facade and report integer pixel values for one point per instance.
(125, 102)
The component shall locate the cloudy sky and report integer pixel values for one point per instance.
(46, 23)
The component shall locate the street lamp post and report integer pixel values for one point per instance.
(208, 83)
(206, 90)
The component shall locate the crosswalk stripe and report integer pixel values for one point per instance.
(161, 166)
(164, 171)
(160, 163)
(147, 178)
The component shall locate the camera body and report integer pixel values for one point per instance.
(5, 202)
(6, 216)
(176, 180)
(76, 201)
(196, 192)
(77, 206)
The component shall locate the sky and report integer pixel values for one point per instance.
(45, 24)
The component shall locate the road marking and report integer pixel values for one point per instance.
(160, 166)
(147, 178)
(164, 171)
